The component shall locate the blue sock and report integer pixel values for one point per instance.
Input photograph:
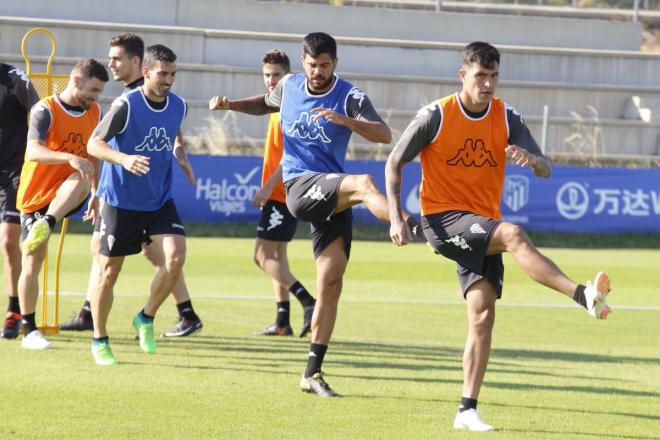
(99, 341)
(145, 318)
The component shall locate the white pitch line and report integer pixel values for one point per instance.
(386, 301)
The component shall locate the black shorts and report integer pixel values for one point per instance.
(8, 189)
(313, 198)
(27, 219)
(325, 232)
(123, 230)
(463, 237)
(276, 222)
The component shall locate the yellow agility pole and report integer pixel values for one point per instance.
(46, 84)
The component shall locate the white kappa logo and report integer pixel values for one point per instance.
(458, 241)
(314, 193)
(306, 128)
(156, 140)
(275, 220)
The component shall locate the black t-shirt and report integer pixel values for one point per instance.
(17, 96)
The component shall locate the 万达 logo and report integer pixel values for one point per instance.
(572, 200)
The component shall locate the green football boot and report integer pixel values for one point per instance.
(146, 334)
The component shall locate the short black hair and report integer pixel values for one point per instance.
(90, 68)
(158, 52)
(131, 43)
(277, 56)
(483, 53)
(316, 43)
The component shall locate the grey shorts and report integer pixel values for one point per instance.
(313, 198)
(463, 237)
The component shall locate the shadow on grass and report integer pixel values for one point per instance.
(254, 353)
(562, 434)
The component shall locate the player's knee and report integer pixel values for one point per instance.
(109, 274)
(174, 263)
(332, 285)
(10, 245)
(482, 321)
(514, 236)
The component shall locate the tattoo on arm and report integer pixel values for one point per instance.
(255, 105)
(393, 183)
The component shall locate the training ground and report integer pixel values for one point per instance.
(554, 373)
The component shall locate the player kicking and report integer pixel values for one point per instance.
(319, 112)
(276, 224)
(56, 177)
(463, 140)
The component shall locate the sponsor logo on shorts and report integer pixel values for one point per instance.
(314, 193)
(12, 214)
(275, 220)
(332, 176)
(477, 229)
(458, 241)
(177, 226)
(111, 241)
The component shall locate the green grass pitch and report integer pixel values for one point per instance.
(554, 373)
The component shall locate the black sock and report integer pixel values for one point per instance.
(52, 221)
(315, 359)
(578, 296)
(86, 311)
(146, 318)
(14, 305)
(28, 324)
(467, 403)
(186, 311)
(299, 291)
(282, 318)
(103, 340)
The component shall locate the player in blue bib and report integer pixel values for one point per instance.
(318, 113)
(135, 141)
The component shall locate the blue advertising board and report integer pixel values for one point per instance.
(572, 200)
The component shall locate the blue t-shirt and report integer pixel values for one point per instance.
(147, 132)
(312, 146)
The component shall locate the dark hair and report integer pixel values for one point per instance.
(90, 68)
(158, 52)
(277, 56)
(316, 43)
(482, 53)
(131, 43)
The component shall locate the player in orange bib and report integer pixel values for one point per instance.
(463, 140)
(276, 224)
(56, 177)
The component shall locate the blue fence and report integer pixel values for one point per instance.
(572, 200)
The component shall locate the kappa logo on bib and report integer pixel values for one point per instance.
(156, 140)
(306, 128)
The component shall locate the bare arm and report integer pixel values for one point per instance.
(181, 156)
(264, 193)
(255, 105)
